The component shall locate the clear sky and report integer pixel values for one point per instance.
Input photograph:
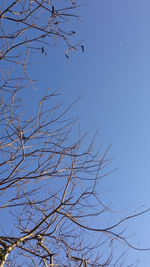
(115, 73)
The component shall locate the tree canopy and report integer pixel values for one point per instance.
(50, 182)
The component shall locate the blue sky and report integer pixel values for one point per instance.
(115, 73)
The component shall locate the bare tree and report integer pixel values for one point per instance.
(50, 183)
(50, 187)
(32, 25)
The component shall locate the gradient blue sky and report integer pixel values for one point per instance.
(115, 73)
